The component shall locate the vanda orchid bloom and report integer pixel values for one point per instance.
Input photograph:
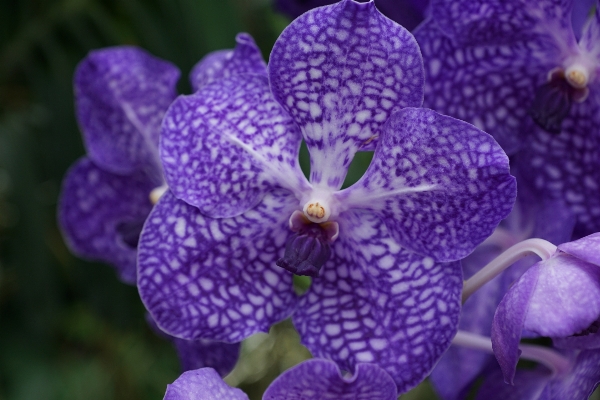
(383, 252)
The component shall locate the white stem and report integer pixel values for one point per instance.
(557, 363)
(539, 247)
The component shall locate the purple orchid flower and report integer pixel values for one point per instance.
(539, 384)
(408, 13)
(558, 297)
(122, 94)
(517, 70)
(386, 289)
(312, 379)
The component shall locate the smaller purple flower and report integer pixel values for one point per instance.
(558, 297)
(311, 380)
(539, 384)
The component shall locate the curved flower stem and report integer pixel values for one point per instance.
(556, 362)
(539, 247)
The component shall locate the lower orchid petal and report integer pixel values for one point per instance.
(441, 185)
(216, 278)
(581, 381)
(318, 379)
(379, 303)
(228, 144)
(202, 384)
(101, 214)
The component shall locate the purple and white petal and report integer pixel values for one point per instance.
(216, 278)
(508, 322)
(202, 384)
(590, 38)
(121, 95)
(586, 248)
(318, 379)
(376, 302)
(580, 15)
(245, 58)
(581, 381)
(101, 215)
(440, 185)
(566, 165)
(589, 338)
(503, 21)
(566, 297)
(341, 71)
(228, 144)
(490, 86)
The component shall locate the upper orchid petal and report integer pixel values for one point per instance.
(502, 21)
(122, 94)
(226, 145)
(215, 278)
(101, 214)
(318, 379)
(586, 248)
(202, 384)
(566, 298)
(379, 303)
(341, 71)
(245, 58)
(441, 185)
(494, 97)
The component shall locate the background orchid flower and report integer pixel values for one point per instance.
(312, 379)
(382, 253)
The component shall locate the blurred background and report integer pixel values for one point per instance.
(68, 328)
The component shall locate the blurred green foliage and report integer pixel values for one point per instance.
(68, 328)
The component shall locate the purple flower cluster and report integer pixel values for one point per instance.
(235, 218)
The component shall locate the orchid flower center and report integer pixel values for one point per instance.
(553, 100)
(308, 249)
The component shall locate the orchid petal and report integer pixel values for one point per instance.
(379, 303)
(341, 71)
(490, 86)
(440, 185)
(202, 384)
(244, 59)
(122, 94)
(215, 278)
(318, 379)
(101, 214)
(228, 144)
(586, 249)
(590, 38)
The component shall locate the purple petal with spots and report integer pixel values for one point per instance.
(202, 384)
(318, 379)
(201, 353)
(566, 298)
(379, 303)
(502, 21)
(490, 86)
(408, 13)
(101, 214)
(440, 185)
(244, 59)
(590, 39)
(122, 94)
(226, 145)
(586, 249)
(216, 278)
(341, 71)
(566, 165)
(508, 323)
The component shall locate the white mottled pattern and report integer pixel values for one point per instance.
(376, 302)
(341, 71)
(216, 278)
(202, 384)
(440, 185)
(228, 144)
